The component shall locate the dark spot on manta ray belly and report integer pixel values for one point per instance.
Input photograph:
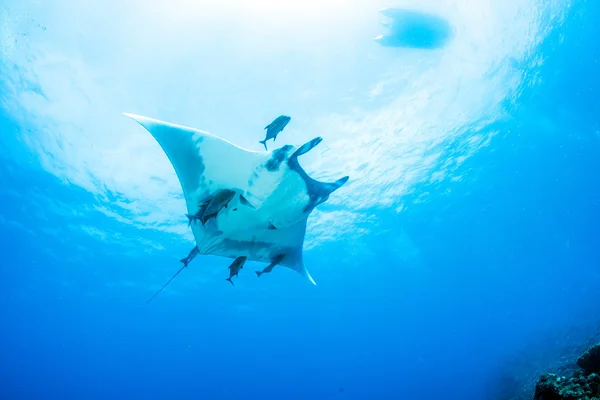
(278, 157)
(192, 158)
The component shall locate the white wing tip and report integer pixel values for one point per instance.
(133, 116)
(310, 278)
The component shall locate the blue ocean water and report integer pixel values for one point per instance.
(468, 231)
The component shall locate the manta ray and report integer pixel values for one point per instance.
(265, 220)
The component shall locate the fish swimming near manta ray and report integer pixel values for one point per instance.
(274, 262)
(235, 267)
(210, 208)
(274, 191)
(274, 129)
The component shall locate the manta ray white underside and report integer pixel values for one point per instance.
(274, 196)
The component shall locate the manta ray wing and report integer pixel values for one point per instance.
(271, 188)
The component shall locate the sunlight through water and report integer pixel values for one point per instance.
(390, 117)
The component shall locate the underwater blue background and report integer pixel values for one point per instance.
(506, 254)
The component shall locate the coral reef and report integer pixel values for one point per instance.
(554, 350)
(590, 360)
(579, 387)
(583, 385)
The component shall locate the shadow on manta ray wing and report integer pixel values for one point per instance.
(270, 194)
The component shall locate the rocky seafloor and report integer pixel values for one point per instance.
(555, 365)
(584, 384)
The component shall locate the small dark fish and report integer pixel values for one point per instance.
(235, 267)
(274, 128)
(193, 253)
(216, 204)
(165, 285)
(270, 267)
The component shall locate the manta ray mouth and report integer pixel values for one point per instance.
(318, 192)
(306, 147)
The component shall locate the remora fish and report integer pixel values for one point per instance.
(270, 267)
(198, 214)
(216, 204)
(193, 253)
(274, 128)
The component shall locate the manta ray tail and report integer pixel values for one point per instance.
(165, 285)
